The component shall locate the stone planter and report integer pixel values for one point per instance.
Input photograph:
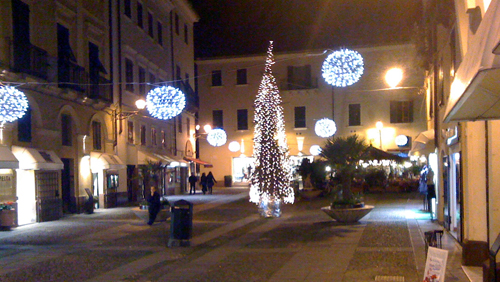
(7, 218)
(347, 215)
(310, 193)
(143, 214)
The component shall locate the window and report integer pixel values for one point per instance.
(241, 76)
(179, 123)
(142, 81)
(143, 135)
(177, 24)
(188, 126)
(153, 136)
(299, 77)
(96, 135)
(216, 78)
(401, 111)
(130, 132)
(300, 117)
(127, 8)
(178, 77)
(354, 114)
(152, 80)
(66, 130)
(242, 119)
(129, 75)
(163, 139)
(217, 120)
(186, 34)
(159, 30)
(150, 25)
(24, 127)
(140, 21)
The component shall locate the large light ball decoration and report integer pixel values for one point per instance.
(325, 127)
(401, 140)
(165, 102)
(13, 104)
(234, 146)
(343, 68)
(315, 150)
(217, 137)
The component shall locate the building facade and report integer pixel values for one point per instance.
(82, 65)
(463, 92)
(228, 87)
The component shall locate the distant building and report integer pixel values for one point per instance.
(228, 86)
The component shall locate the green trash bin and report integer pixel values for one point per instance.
(228, 181)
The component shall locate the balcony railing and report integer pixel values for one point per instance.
(299, 85)
(31, 60)
(75, 77)
(100, 89)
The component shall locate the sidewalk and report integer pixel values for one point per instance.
(230, 243)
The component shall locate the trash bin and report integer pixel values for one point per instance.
(181, 223)
(228, 181)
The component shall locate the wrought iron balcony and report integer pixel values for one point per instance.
(32, 60)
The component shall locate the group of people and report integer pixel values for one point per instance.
(207, 181)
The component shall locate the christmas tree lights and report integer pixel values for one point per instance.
(13, 104)
(165, 102)
(325, 127)
(271, 179)
(343, 68)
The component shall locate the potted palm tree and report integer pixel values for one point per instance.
(343, 155)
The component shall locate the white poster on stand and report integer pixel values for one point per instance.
(435, 266)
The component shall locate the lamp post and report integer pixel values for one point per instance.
(379, 126)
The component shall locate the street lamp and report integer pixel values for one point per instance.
(379, 126)
(393, 77)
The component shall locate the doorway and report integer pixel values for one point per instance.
(67, 186)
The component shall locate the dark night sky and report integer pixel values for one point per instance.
(238, 27)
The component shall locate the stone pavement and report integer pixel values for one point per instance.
(231, 243)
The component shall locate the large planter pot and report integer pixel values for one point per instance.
(310, 193)
(7, 218)
(347, 215)
(143, 214)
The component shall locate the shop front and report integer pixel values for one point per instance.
(170, 175)
(8, 197)
(105, 178)
(38, 183)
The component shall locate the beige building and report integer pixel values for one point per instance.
(228, 87)
(82, 66)
(464, 88)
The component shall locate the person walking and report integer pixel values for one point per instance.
(154, 205)
(192, 183)
(210, 182)
(203, 183)
(431, 191)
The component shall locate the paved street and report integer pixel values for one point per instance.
(230, 243)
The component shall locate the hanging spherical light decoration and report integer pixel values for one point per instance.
(165, 102)
(325, 127)
(234, 146)
(217, 137)
(13, 104)
(315, 150)
(343, 68)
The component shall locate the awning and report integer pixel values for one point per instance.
(7, 158)
(475, 92)
(143, 157)
(424, 143)
(198, 161)
(100, 161)
(373, 153)
(31, 158)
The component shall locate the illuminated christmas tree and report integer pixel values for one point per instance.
(271, 178)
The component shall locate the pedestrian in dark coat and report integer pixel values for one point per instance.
(203, 183)
(192, 183)
(210, 182)
(154, 205)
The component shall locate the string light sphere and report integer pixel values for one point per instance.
(165, 102)
(234, 146)
(343, 68)
(13, 104)
(315, 150)
(217, 137)
(325, 127)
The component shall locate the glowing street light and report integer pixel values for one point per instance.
(393, 77)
